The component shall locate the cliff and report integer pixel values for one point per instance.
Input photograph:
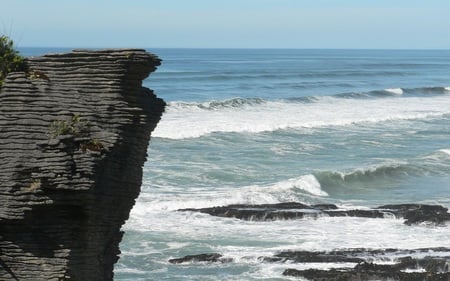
(74, 132)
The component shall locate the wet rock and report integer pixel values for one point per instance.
(290, 210)
(307, 256)
(434, 264)
(200, 258)
(355, 275)
(418, 213)
(357, 264)
(412, 213)
(407, 266)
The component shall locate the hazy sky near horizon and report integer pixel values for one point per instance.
(387, 24)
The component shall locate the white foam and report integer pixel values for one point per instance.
(395, 91)
(256, 239)
(414, 270)
(308, 183)
(321, 265)
(446, 151)
(246, 241)
(294, 189)
(447, 89)
(129, 270)
(183, 120)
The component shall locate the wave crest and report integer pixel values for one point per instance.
(389, 92)
(435, 163)
(366, 175)
(191, 120)
(308, 183)
(290, 190)
(395, 91)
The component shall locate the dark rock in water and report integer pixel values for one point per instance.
(417, 213)
(435, 264)
(356, 213)
(74, 136)
(290, 210)
(357, 255)
(200, 258)
(324, 207)
(306, 256)
(404, 268)
(412, 213)
(355, 275)
(405, 265)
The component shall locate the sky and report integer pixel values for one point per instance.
(335, 24)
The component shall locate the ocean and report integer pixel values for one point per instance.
(355, 128)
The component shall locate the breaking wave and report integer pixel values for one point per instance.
(255, 115)
(436, 163)
(420, 91)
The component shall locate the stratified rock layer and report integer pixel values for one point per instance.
(74, 132)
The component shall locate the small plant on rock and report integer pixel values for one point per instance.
(76, 127)
(35, 184)
(92, 145)
(10, 60)
(37, 74)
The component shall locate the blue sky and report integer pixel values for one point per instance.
(393, 24)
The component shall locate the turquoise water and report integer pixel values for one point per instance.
(357, 128)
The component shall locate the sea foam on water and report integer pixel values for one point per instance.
(190, 121)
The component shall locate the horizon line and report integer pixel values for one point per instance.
(238, 48)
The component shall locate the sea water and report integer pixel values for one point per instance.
(356, 128)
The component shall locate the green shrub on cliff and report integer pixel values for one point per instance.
(10, 60)
(75, 126)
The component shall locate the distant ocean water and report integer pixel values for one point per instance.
(356, 128)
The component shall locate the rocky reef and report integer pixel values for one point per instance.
(354, 264)
(411, 213)
(74, 135)
(426, 264)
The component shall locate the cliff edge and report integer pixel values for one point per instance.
(74, 132)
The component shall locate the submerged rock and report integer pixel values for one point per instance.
(307, 256)
(200, 258)
(74, 135)
(365, 275)
(412, 213)
(417, 213)
(356, 264)
(406, 269)
(405, 265)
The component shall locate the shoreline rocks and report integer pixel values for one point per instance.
(210, 258)
(412, 213)
(428, 264)
(424, 264)
(404, 268)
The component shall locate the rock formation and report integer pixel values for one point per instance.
(355, 264)
(412, 213)
(74, 132)
(369, 265)
(214, 257)
(425, 264)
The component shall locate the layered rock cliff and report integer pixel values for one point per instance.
(74, 132)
